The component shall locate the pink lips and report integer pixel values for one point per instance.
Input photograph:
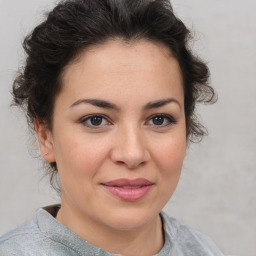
(128, 190)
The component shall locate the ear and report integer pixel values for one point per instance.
(45, 140)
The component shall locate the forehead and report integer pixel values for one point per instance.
(116, 67)
(118, 52)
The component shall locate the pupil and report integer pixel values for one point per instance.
(96, 120)
(158, 120)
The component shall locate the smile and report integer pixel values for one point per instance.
(129, 190)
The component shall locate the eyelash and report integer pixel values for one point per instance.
(168, 119)
(88, 118)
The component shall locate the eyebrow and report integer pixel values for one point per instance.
(160, 103)
(97, 103)
(105, 104)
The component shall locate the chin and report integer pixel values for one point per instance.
(131, 219)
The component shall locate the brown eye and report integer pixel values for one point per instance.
(161, 120)
(95, 121)
(158, 120)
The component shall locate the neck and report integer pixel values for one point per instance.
(143, 241)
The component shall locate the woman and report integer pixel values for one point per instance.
(110, 88)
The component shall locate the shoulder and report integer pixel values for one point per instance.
(34, 238)
(22, 240)
(188, 240)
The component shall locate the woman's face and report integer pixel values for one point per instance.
(119, 135)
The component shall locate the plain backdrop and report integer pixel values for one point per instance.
(217, 190)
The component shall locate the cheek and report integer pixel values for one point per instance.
(80, 157)
(170, 154)
(171, 161)
(168, 160)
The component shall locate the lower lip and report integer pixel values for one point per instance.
(129, 194)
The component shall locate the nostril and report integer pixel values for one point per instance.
(135, 165)
(120, 162)
(131, 165)
(131, 154)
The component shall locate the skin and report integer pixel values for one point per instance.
(127, 143)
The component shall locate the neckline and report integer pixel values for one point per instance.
(47, 222)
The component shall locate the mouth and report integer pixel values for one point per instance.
(128, 190)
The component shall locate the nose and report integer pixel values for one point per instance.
(130, 148)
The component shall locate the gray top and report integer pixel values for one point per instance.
(43, 235)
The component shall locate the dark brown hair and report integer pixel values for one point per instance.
(74, 25)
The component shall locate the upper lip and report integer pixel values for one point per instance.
(128, 182)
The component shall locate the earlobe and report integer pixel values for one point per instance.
(45, 140)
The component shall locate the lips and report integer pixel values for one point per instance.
(129, 190)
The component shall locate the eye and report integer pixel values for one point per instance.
(161, 120)
(95, 121)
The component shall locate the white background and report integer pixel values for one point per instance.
(217, 190)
